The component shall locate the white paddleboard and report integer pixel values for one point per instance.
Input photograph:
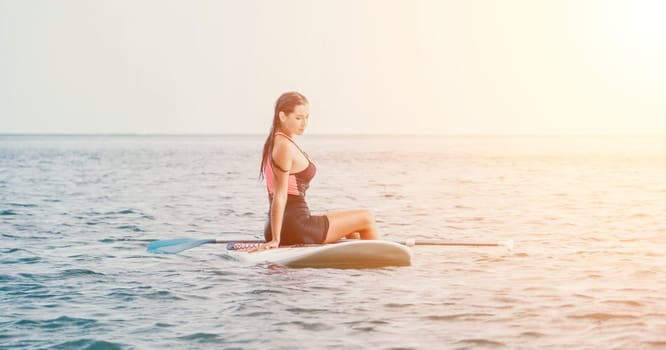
(344, 254)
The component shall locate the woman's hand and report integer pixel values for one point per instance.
(265, 246)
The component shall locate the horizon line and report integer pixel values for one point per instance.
(130, 134)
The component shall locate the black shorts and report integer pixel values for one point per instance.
(298, 226)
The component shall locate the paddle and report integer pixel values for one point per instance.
(508, 244)
(174, 246)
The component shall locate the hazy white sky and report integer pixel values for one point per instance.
(435, 67)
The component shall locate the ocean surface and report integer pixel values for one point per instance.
(586, 213)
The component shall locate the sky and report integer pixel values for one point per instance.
(366, 66)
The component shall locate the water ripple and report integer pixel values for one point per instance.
(601, 316)
(201, 337)
(57, 323)
(477, 343)
(91, 344)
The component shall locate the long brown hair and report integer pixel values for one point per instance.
(285, 103)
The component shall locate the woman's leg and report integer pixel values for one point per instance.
(347, 223)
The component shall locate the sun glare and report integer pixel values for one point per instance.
(642, 26)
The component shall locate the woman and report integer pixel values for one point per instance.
(288, 171)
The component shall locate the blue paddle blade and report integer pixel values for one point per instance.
(173, 246)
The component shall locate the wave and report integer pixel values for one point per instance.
(202, 337)
(132, 228)
(6, 278)
(125, 239)
(57, 323)
(22, 205)
(13, 250)
(471, 316)
(79, 272)
(27, 260)
(162, 295)
(481, 343)
(91, 344)
(624, 302)
(602, 316)
(60, 275)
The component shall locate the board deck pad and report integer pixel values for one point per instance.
(351, 254)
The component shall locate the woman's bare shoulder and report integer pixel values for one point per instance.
(282, 152)
(282, 144)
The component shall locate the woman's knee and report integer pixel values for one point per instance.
(369, 231)
(368, 218)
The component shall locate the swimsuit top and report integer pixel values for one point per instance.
(298, 182)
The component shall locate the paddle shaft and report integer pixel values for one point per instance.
(460, 244)
(409, 243)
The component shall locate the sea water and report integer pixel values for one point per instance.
(586, 214)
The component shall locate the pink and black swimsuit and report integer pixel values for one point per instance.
(298, 225)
